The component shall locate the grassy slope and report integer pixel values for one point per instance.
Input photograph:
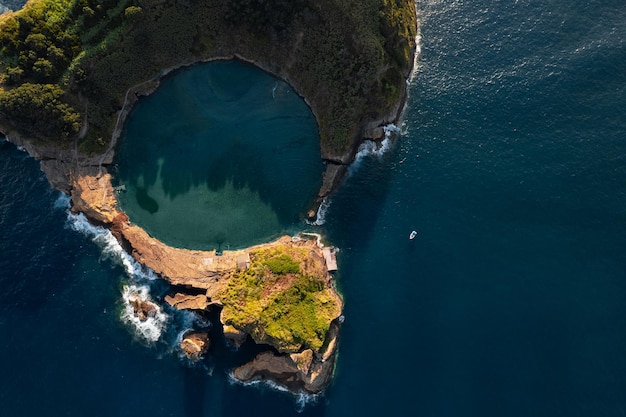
(347, 57)
(282, 299)
(62, 61)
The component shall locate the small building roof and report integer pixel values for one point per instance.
(243, 261)
(330, 258)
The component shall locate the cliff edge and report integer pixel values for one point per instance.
(70, 71)
(279, 293)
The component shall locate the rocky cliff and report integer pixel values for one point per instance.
(348, 59)
(251, 286)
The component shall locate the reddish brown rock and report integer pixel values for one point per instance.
(303, 360)
(205, 270)
(195, 345)
(187, 302)
(282, 370)
(143, 309)
(234, 335)
(306, 370)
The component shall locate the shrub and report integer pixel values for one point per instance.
(282, 264)
(39, 110)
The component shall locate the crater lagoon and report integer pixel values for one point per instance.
(222, 155)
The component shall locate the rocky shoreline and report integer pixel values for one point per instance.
(345, 117)
(86, 179)
(62, 165)
(202, 277)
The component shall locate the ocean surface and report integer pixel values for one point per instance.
(511, 301)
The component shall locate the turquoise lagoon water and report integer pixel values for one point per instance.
(221, 155)
(510, 302)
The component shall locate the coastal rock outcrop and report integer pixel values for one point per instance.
(303, 371)
(182, 301)
(280, 293)
(142, 309)
(194, 345)
(237, 337)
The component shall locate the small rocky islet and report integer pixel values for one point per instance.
(71, 71)
(280, 293)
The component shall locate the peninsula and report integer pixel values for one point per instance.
(71, 70)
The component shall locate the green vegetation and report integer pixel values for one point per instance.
(39, 110)
(281, 263)
(347, 57)
(282, 299)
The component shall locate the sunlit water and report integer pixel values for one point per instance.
(510, 302)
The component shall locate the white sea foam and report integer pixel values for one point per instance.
(153, 326)
(320, 218)
(302, 398)
(188, 321)
(378, 149)
(111, 249)
(391, 130)
(62, 202)
(371, 148)
(418, 52)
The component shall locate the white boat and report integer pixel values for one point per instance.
(413, 234)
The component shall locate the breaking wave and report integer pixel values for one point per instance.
(62, 202)
(373, 148)
(110, 247)
(320, 218)
(154, 324)
(148, 328)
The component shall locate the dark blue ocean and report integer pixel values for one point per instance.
(511, 164)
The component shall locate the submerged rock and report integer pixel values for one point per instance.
(194, 345)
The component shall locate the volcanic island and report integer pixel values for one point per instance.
(71, 71)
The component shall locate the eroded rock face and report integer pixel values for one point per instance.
(234, 335)
(303, 360)
(93, 195)
(187, 302)
(283, 370)
(306, 370)
(298, 368)
(194, 345)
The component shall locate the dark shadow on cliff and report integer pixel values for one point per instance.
(200, 394)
